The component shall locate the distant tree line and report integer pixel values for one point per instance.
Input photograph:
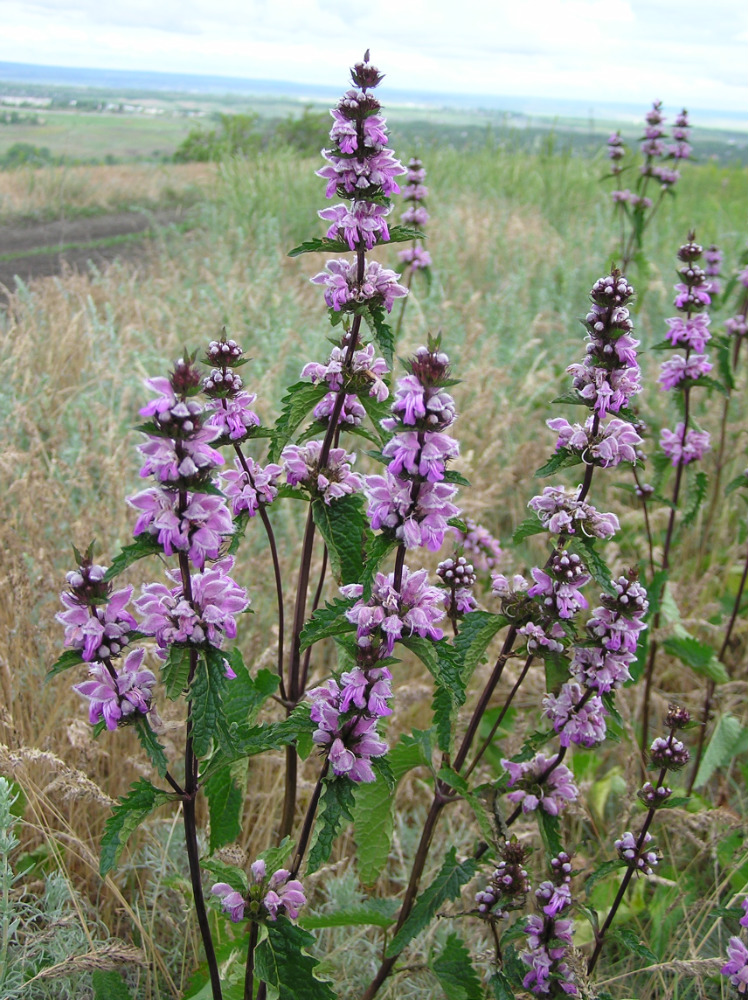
(246, 134)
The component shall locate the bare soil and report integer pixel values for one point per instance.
(55, 239)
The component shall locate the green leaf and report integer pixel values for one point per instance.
(476, 632)
(446, 886)
(225, 805)
(230, 874)
(373, 913)
(695, 497)
(723, 746)
(734, 484)
(473, 799)
(572, 397)
(707, 382)
(253, 740)
(700, 657)
(109, 985)
(453, 476)
(633, 945)
(342, 524)
(70, 658)
(245, 695)
(326, 622)
(455, 972)
(385, 338)
(563, 459)
(126, 817)
(336, 806)
(723, 347)
(276, 857)
(300, 399)
(282, 961)
(149, 742)
(144, 545)
(373, 817)
(502, 989)
(403, 234)
(585, 548)
(323, 245)
(205, 696)
(376, 412)
(601, 872)
(175, 671)
(530, 526)
(378, 547)
(442, 661)
(550, 832)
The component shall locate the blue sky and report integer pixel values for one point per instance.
(681, 51)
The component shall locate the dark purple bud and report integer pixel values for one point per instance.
(677, 717)
(185, 377)
(365, 75)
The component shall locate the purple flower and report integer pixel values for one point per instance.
(98, 631)
(216, 599)
(411, 455)
(247, 490)
(691, 331)
(483, 550)
(584, 726)
(559, 588)
(389, 615)
(668, 752)
(691, 296)
(232, 902)
(364, 222)
(334, 480)
(340, 281)
(736, 326)
(616, 441)
(677, 369)
(737, 966)
(232, 416)
(552, 794)
(199, 530)
(284, 893)
(641, 860)
(600, 668)
(541, 639)
(416, 256)
(422, 523)
(561, 513)
(744, 919)
(350, 176)
(115, 699)
(180, 462)
(695, 446)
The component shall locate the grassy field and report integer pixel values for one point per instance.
(517, 241)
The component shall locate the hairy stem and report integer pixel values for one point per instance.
(249, 975)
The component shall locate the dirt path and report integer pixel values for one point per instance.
(41, 249)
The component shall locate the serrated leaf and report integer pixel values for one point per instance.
(373, 809)
(633, 945)
(325, 622)
(445, 887)
(109, 985)
(336, 806)
(572, 397)
(723, 348)
(144, 545)
(300, 399)
(707, 382)
(476, 632)
(442, 661)
(282, 961)
(373, 913)
(149, 742)
(245, 695)
(230, 874)
(563, 459)
(254, 740)
(385, 338)
(225, 805)
(452, 476)
(601, 872)
(736, 483)
(175, 671)
(376, 412)
(323, 245)
(343, 526)
(404, 234)
(721, 748)
(457, 522)
(127, 815)
(455, 972)
(276, 857)
(700, 657)
(695, 497)
(501, 987)
(206, 697)
(377, 548)
(70, 658)
(585, 549)
(530, 526)
(550, 832)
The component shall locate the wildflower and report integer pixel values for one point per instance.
(616, 441)
(248, 488)
(199, 529)
(682, 451)
(232, 902)
(669, 753)
(737, 966)
(342, 288)
(677, 369)
(459, 578)
(599, 668)
(690, 331)
(483, 550)
(99, 630)
(117, 695)
(542, 783)
(509, 883)
(582, 724)
(562, 514)
(636, 857)
(389, 615)
(336, 479)
(559, 587)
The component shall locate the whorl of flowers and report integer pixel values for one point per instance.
(643, 861)
(264, 898)
(549, 936)
(390, 615)
(609, 375)
(117, 695)
(479, 545)
(344, 292)
(541, 783)
(575, 718)
(411, 501)
(415, 214)
(363, 374)
(687, 444)
(508, 885)
(607, 446)
(331, 482)
(458, 578)
(561, 513)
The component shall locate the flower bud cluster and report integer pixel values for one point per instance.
(642, 861)
(559, 585)
(713, 257)
(541, 783)
(411, 501)
(229, 404)
(415, 214)
(508, 886)
(549, 936)
(687, 444)
(458, 577)
(669, 753)
(479, 545)
(616, 151)
(265, 897)
(609, 375)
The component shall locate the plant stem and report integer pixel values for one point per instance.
(306, 830)
(505, 708)
(249, 975)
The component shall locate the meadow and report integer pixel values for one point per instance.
(517, 240)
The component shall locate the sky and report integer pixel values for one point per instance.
(683, 52)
